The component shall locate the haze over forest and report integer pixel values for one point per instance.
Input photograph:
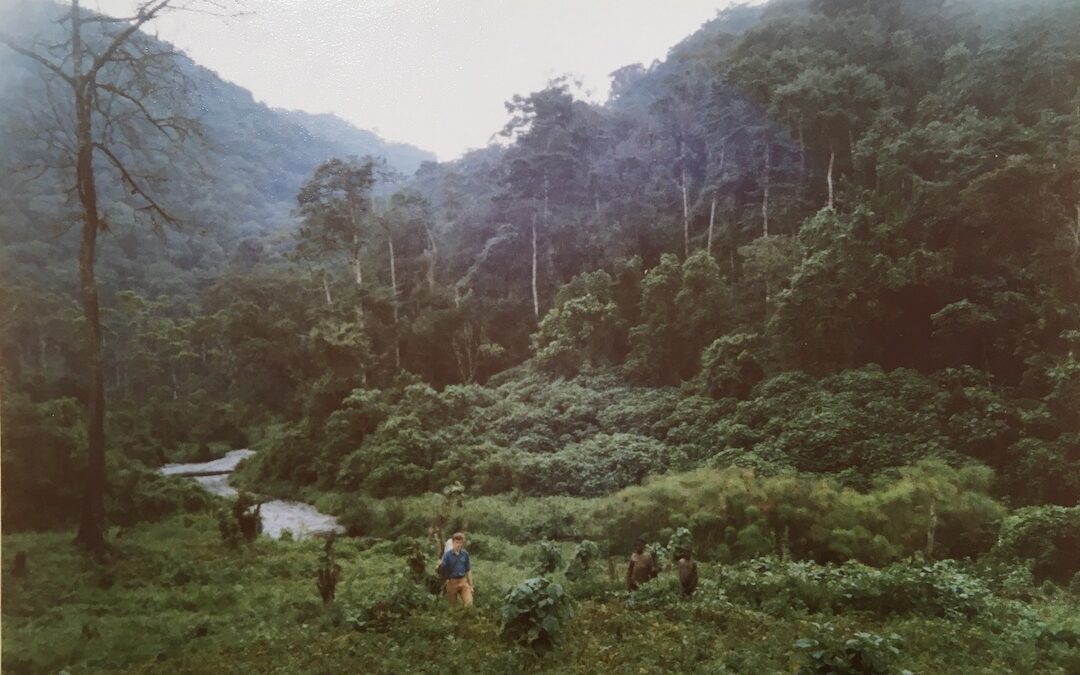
(800, 300)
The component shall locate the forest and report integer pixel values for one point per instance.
(802, 298)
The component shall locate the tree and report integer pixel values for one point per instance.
(334, 204)
(114, 80)
(548, 164)
(837, 103)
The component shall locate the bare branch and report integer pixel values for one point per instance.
(151, 203)
(166, 125)
(147, 13)
(12, 45)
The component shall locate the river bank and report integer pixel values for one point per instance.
(278, 515)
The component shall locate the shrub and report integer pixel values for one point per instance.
(585, 553)
(242, 522)
(1047, 535)
(681, 542)
(548, 557)
(597, 466)
(730, 367)
(657, 594)
(827, 653)
(735, 513)
(328, 572)
(392, 602)
(534, 614)
(940, 589)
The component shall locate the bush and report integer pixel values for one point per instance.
(781, 587)
(597, 466)
(827, 653)
(242, 522)
(681, 542)
(734, 514)
(43, 463)
(328, 572)
(139, 495)
(391, 603)
(1047, 535)
(534, 614)
(548, 557)
(584, 555)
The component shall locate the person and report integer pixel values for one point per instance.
(456, 569)
(688, 573)
(642, 566)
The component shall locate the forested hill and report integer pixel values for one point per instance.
(233, 191)
(827, 236)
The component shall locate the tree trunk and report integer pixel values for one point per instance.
(358, 277)
(685, 215)
(535, 295)
(326, 289)
(1076, 235)
(765, 194)
(393, 287)
(828, 176)
(91, 535)
(358, 274)
(802, 153)
(546, 186)
(430, 253)
(931, 529)
(712, 220)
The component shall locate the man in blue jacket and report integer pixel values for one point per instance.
(455, 568)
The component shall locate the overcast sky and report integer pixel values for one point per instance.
(428, 72)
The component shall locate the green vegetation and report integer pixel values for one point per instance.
(802, 297)
(174, 598)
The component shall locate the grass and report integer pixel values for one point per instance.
(173, 598)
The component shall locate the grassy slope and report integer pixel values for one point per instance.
(174, 599)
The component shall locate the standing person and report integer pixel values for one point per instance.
(688, 573)
(642, 566)
(457, 571)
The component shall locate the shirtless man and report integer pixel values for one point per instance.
(688, 573)
(642, 566)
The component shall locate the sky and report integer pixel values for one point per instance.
(432, 73)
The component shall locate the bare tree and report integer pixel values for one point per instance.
(112, 81)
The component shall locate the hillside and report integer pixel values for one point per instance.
(249, 167)
(800, 304)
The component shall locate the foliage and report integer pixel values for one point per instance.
(328, 572)
(548, 557)
(241, 522)
(594, 467)
(1049, 536)
(682, 541)
(935, 590)
(174, 586)
(534, 614)
(862, 652)
(585, 553)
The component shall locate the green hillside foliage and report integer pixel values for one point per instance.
(804, 292)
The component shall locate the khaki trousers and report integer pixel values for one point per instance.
(455, 587)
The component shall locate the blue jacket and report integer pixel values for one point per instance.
(454, 566)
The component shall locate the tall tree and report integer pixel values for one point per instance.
(548, 166)
(335, 204)
(112, 81)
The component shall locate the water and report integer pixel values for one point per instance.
(303, 520)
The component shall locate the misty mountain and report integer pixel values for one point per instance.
(240, 182)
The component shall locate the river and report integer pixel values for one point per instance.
(278, 515)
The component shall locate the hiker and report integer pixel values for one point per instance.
(642, 566)
(456, 570)
(688, 574)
